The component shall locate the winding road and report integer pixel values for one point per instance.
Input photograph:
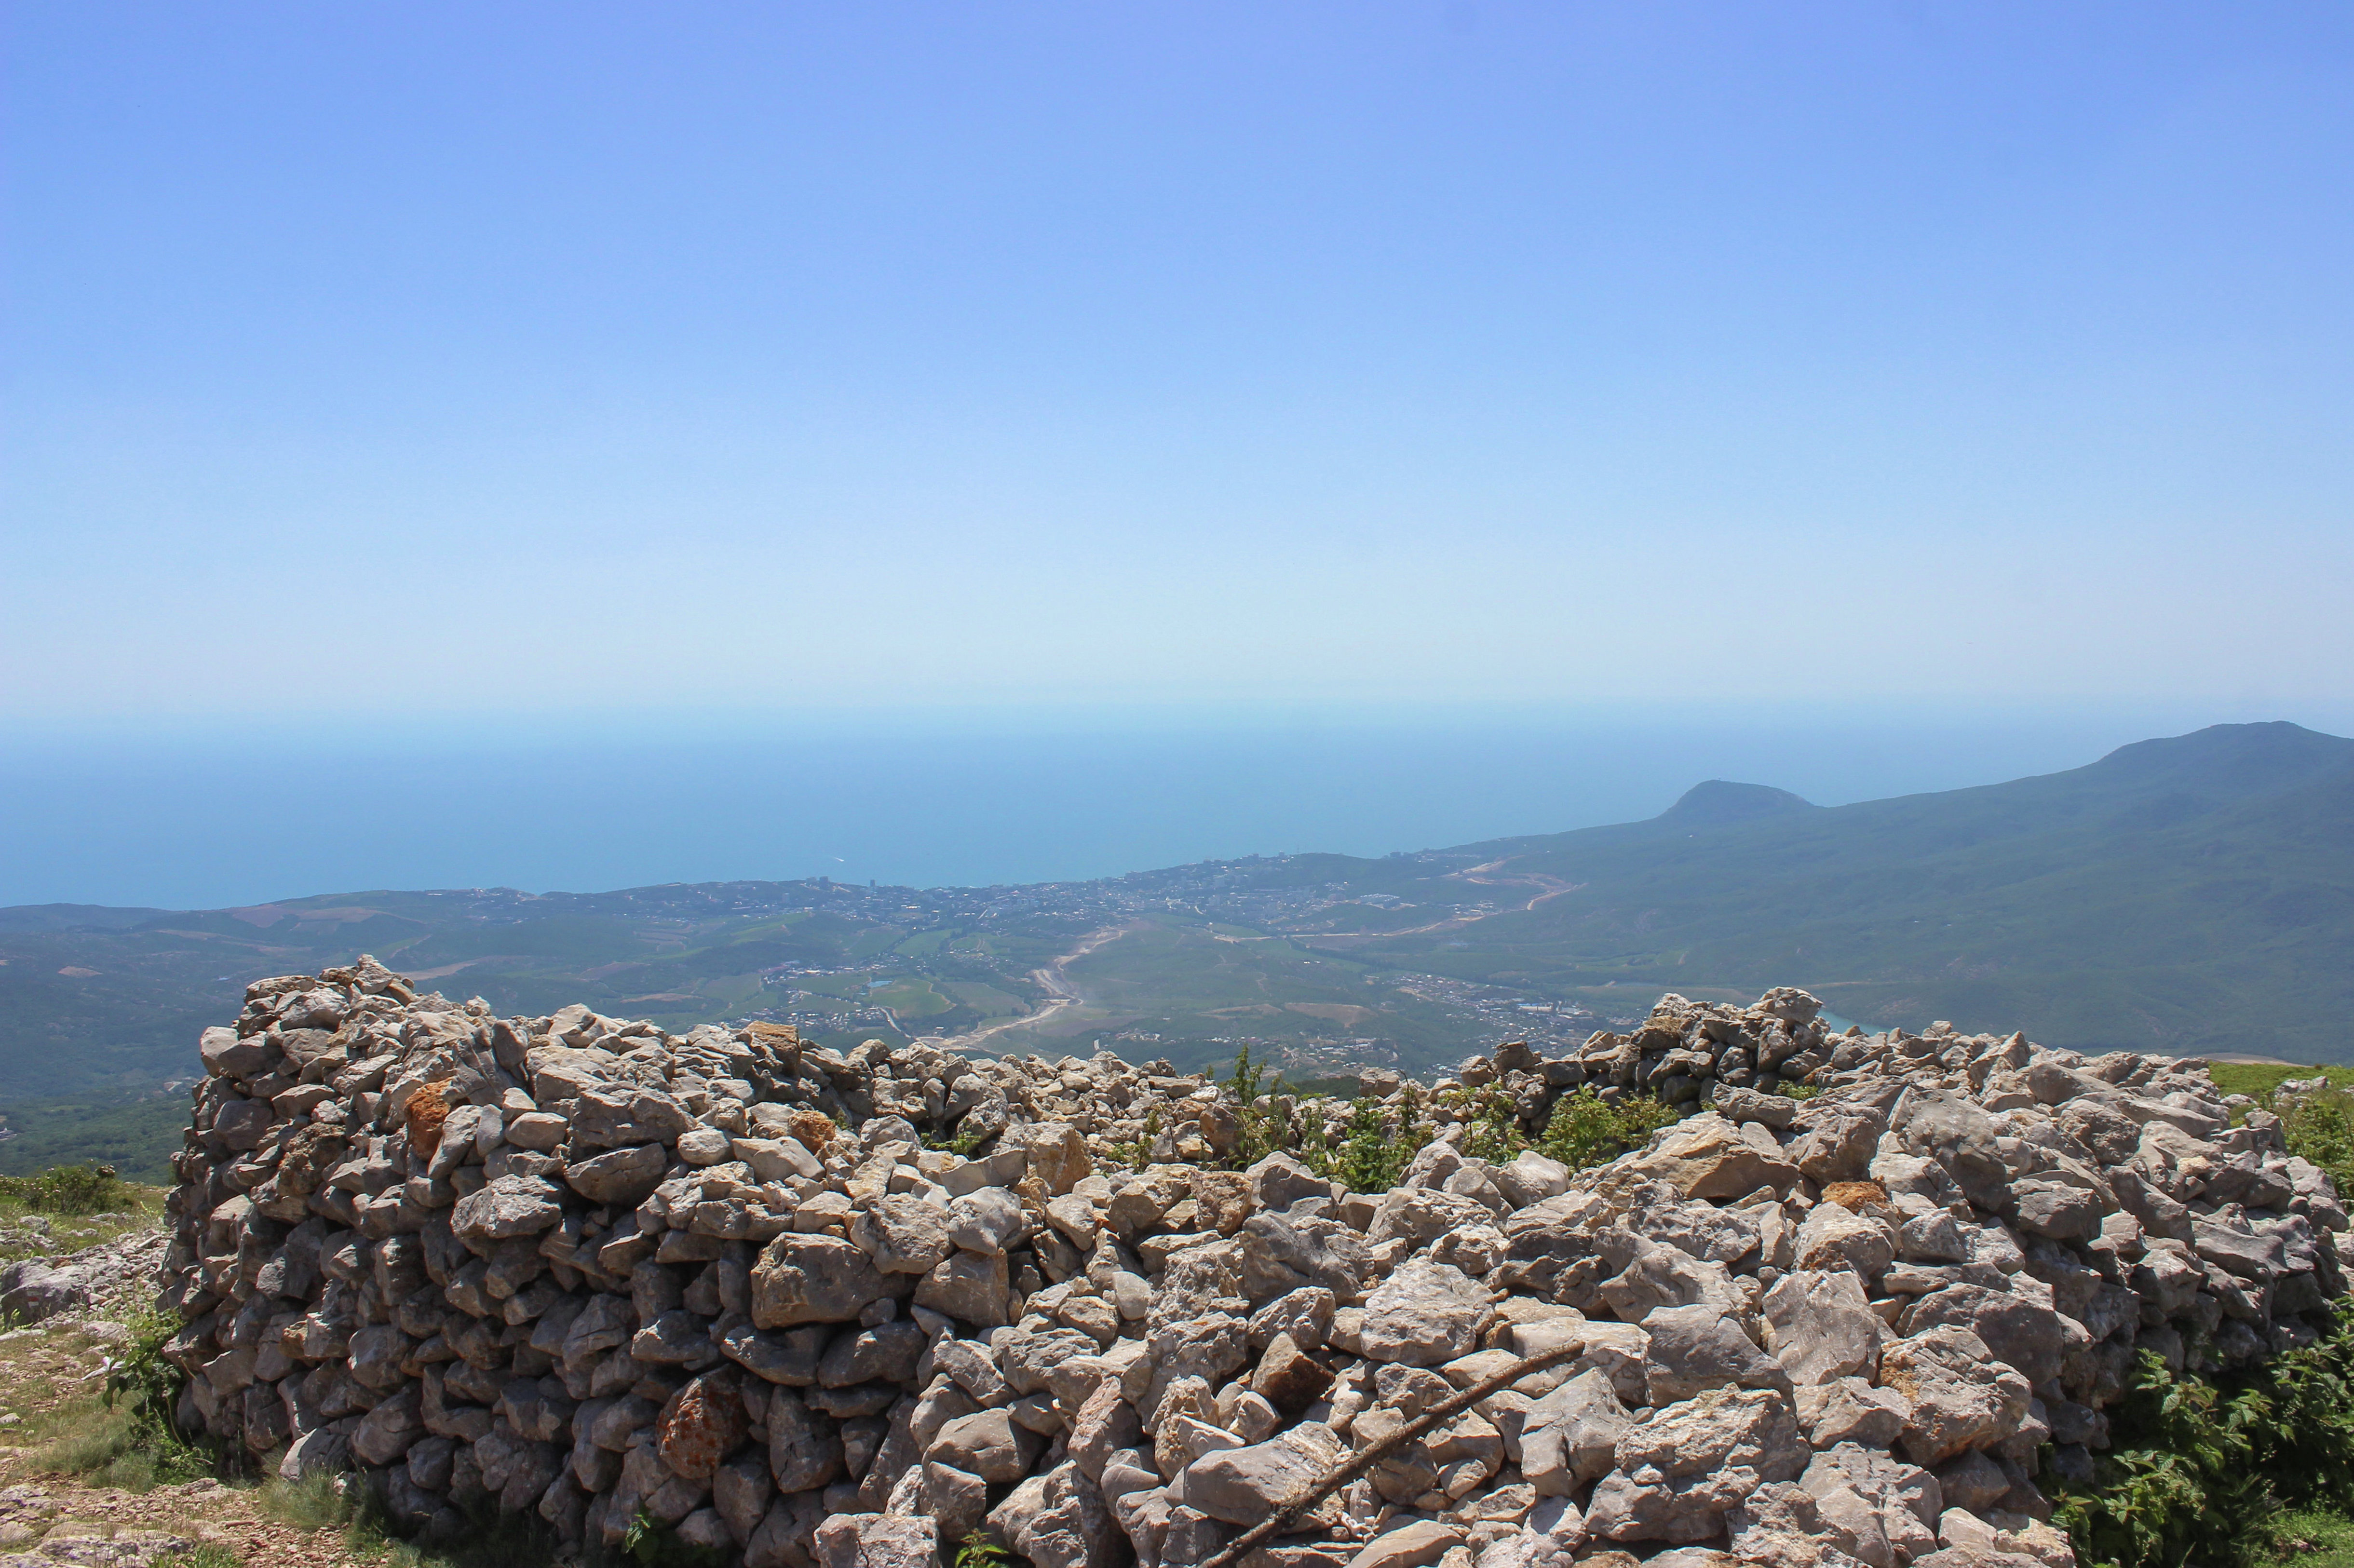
(1060, 992)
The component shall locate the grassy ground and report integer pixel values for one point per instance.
(2316, 1540)
(2259, 1079)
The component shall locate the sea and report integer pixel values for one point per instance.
(235, 811)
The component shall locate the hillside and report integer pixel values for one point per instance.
(2194, 894)
(2191, 894)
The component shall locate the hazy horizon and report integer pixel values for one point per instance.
(197, 818)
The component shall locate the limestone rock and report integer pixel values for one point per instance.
(1424, 1314)
(1695, 1348)
(622, 1177)
(1243, 1485)
(1820, 1326)
(509, 1206)
(1711, 1157)
(583, 1266)
(813, 1279)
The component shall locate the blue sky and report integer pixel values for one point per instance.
(514, 360)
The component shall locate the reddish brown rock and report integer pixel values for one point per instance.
(702, 1424)
(1856, 1197)
(811, 1130)
(425, 1113)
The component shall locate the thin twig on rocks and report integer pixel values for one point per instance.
(1374, 1453)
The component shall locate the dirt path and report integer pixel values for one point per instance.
(1551, 887)
(1060, 994)
(1547, 889)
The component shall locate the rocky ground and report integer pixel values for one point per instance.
(45, 1521)
(799, 1308)
(70, 1309)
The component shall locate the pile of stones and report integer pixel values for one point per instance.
(731, 1288)
(95, 1280)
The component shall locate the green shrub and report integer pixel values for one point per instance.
(1490, 1118)
(964, 1145)
(72, 1190)
(1588, 1130)
(978, 1551)
(2202, 1471)
(1371, 1157)
(141, 1380)
(2320, 1128)
(1314, 1145)
(1260, 1133)
(653, 1544)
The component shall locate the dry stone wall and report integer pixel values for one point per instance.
(722, 1282)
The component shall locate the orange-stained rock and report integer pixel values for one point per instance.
(425, 1112)
(1855, 1197)
(702, 1424)
(811, 1130)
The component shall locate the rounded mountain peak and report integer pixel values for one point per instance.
(1722, 801)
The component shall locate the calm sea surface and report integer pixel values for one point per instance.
(196, 818)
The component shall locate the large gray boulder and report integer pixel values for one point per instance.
(509, 1206)
(609, 1115)
(1242, 1486)
(988, 1444)
(1695, 1348)
(1424, 1314)
(36, 1288)
(622, 1178)
(1820, 1326)
(814, 1279)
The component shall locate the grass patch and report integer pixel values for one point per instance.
(2257, 1080)
(2313, 1538)
(118, 1431)
(204, 1554)
(2320, 1128)
(318, 1501)
(2317, 1127)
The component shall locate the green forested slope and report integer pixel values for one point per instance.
(2195, 893)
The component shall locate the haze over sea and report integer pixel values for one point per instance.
(191, 816)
